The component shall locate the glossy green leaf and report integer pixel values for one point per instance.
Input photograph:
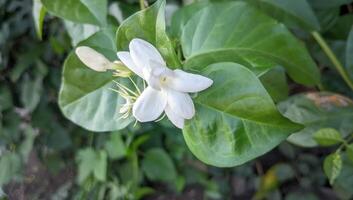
(296, 13)
(237, 32)
(182, 16)
(349, 54)
(38, 12)
(236, 120)
(315, 111)
(333, 166)
(148, 24)
(85, 97)
(81, 11)
(327, 137)
(158, 166)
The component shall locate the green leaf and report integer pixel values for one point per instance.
(10, 166)
(182, 16)
(343, 184)
(349, 149)
(85, 97)
(341, 29)
(158, 166)
(236, 119)
(148, 24)
(79, 32)
(275, 82)
(293, 13)
(325, 4)
(5, 97)
(91, 162)
(349, 54)
(81, 11)
(317, 110)
(31, 90)
(38, 12)
(327, 137)
(26, 146)
(333, 166)
(115, 146)
(100, 169)
(237, 32)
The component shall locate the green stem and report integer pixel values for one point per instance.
(142, 4)
(332, 57)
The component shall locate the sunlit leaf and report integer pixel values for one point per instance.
(236, 119)
(327, 137)
(81, 11)
(237, 32)
(333, 166)
(85, 97)
(38, 12)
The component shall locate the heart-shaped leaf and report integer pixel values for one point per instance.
(237, 32)
(81, 11)
(85, 97)
(236, 119)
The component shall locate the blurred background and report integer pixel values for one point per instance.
(45, 156)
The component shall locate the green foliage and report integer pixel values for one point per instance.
(246, 47)
(158, 166)
(233, 127)
(91, 163)
(82, 11)
(327, 137)
(292, 13)
(316, 111)
(82, 86)
(148, 24)
(349, 54)
(333, 166)
(236, 32)
(39, 12)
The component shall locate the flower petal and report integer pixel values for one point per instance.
(125, 57)
(181, 103)
(93, 59)
(150, 105)
(143, 52)
(186, 82)
(174, 118)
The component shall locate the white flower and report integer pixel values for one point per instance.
(100, 63)
(167, 89)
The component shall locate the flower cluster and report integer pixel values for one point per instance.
(167, 91)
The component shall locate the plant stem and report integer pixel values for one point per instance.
(332, 58)
(142, 4)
